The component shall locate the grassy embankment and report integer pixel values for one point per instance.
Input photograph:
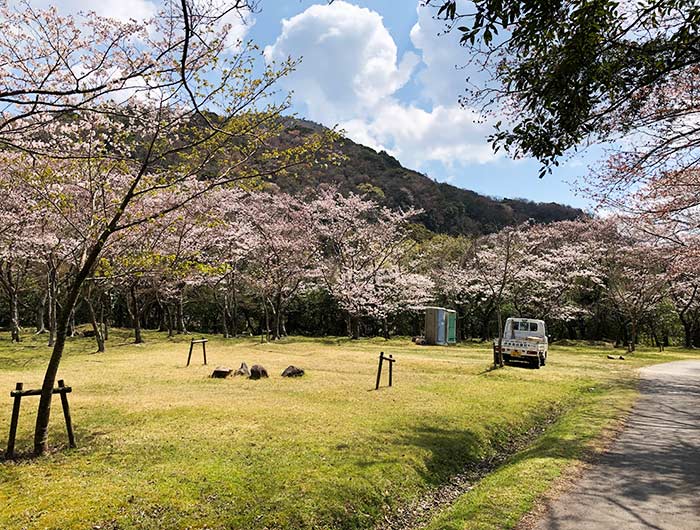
(163, 446)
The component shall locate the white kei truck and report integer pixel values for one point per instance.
(524, 339)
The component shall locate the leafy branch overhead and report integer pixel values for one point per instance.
(568, 72)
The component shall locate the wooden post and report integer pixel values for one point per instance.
(18, 393)
(66, 414)
(391, 368)
(201, 341)
(379, 370)
(189, 356)
(10, 453)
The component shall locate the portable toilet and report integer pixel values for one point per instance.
(436, 325)
(451, 326)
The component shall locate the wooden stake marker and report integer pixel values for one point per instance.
(391, 362)
(18, 393)
(201, 341)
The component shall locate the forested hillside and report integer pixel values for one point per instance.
(446, 208)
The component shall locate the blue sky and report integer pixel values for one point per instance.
(379, 70)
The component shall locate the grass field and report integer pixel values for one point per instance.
(162, 446)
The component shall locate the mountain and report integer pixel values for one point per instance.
(446, 208)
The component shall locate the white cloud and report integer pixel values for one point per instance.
(444, 74)
(450, 135)
(350, 74)
(349, 60)
(239, 23)
(123, 9)
(120, 9)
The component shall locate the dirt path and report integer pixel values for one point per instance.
(650, 477)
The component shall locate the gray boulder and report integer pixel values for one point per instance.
(243, 370)
(257, 372)
(221, 372)
(292, 371)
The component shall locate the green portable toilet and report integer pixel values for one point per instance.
(440, 326)
(451, 326)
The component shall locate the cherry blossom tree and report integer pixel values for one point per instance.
(284, 253)
(197, 121)
(400, 291)
(225, 247)
(635, 280)
(54, 65)
(496, 261)
(684, 292)
(364, 246)
(26, 234)
(560, 260)
(663, 211)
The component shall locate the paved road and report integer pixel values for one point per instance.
(650, 478)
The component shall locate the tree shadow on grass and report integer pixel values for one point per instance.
(450, 451)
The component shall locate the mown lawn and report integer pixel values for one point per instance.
(162, 446)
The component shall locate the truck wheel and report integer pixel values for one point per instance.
(544, 359)
(537, 362)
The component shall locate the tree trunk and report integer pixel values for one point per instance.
(234, 317)
(498, 352)
(181, 316)
(103, 319)
(162, 325)
(277, 314)
(222, 304)
(224, 321)
(249, 324)
(385, 328)
(96, 327)
(40, 312)
(138, 338)
(71, 324)
(655, 338)
(15, 328)
(41, 429)
(52, 292)
(687, 332)
(231, 302)
(169, 321)
(355, 327)
(277, 328)
(135, 315)
(632, 344)
(267, 320)
(9, 283)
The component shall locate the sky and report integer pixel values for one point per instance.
(380, 71)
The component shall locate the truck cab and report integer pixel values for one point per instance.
(524, 339)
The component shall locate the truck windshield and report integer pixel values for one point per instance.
(533, 326)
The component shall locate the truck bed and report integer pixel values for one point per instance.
(521, 346)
